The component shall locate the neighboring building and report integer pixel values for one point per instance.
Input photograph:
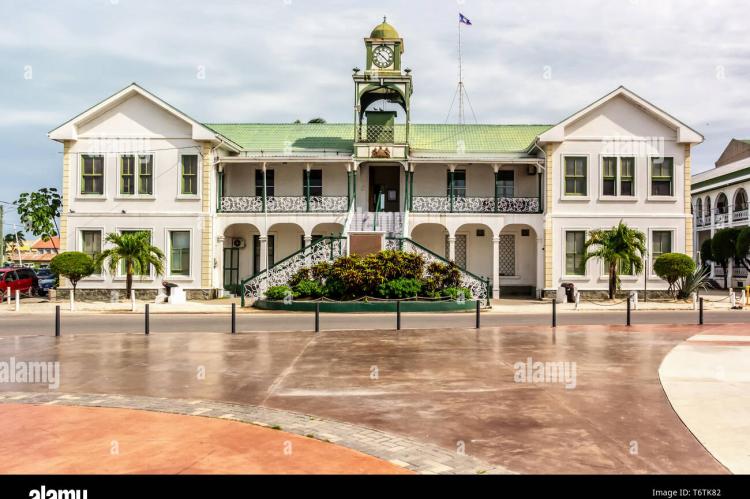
(37, 255)
(511, 203)
(719, 199)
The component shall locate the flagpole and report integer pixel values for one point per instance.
(460, 77)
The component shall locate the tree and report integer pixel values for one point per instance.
(673, 266)
(73, 265)
(135, 251)
(706, 254)
(724, 249)
(743, 247)
(317, 120)
(39, 212)
(619, 248)
(12, 241)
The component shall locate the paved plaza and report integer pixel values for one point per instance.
(455, 391)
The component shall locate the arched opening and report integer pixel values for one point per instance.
(326, 230)
(740, 200)
(432, 236)
(707, 207)
(517, 260)
(698, 210)
(722, 206)
(238, 254)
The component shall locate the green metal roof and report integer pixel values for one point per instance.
(309, 137)
(384, 31)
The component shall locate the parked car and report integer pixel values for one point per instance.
(47, 280)
(21, 279)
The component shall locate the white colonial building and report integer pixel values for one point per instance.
(511, 204)
(720, 200)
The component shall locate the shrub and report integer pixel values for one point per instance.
(278, 292)
(308, 288)
(673, 266)
(453, 293)
(73, 265)
(402, 287)
(694, 282)
(441, 276)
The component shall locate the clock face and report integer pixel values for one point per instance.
(382, 56)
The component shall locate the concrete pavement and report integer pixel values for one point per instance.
(707, 380)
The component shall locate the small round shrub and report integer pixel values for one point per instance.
(453, 292)
(278, 292)
(73, 265)
(673, 266)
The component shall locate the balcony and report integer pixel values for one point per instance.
(442, 204)
(721, 217)
(381, 134)
(699, 220)
(285, 204)
(739, 215)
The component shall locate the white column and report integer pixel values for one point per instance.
(452, 248)
(539, 265)
(219, 271)
(263, 252)
(496, 267)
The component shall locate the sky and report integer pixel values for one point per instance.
(531, 61)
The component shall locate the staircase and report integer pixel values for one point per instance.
(390, 222)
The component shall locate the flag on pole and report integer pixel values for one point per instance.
(463, 19)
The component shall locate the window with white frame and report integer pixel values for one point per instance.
(661, 242)
(92, 174)
(145, 174)
(91, 242)
(662, 176)
(576, 176)
(189, 175)
(627, 176)
(618, 176)
(179, 252)
(609, 176)
(574, 252)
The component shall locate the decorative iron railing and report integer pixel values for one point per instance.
(442, 204)
(480, 286)
(324, 249)
(284, 204)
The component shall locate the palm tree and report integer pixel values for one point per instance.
(619, 248)
(136, 253)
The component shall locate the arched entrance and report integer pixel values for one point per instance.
(238, 254)
(518, 253)
(432, 236)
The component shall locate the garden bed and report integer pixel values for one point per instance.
(366, 306)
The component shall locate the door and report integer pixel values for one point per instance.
(386, 180)
(231, 268)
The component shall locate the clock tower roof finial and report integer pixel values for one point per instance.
(384, 31)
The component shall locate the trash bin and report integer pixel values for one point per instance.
(168, 287)
(570, 291)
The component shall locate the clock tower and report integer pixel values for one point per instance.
(382, 95)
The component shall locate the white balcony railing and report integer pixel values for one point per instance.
(721, 218)
(284, 204)
(442, 204)
(739, 215)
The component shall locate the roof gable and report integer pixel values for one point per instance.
(684, 134)
(69, 129)
(736, 150)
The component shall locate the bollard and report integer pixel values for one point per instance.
(628, 313)
(57, 320)
(132, 300)
(700, 311)
(72, 298)
(18, 300)
(477, 319)
(317, 317)
(146, 325)
(234, 318)
(398, 315)
(554, 312)
(7, 294)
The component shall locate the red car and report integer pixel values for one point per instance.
(22, 279)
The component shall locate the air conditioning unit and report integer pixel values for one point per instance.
(238, 242)
(531, 170)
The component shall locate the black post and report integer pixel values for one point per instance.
(700, 312)
(234, 318)
(398, 315)
(477, 319)
(317, 317)
(57, 320)
(628, 316)
(554, 312)
(146, 324)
